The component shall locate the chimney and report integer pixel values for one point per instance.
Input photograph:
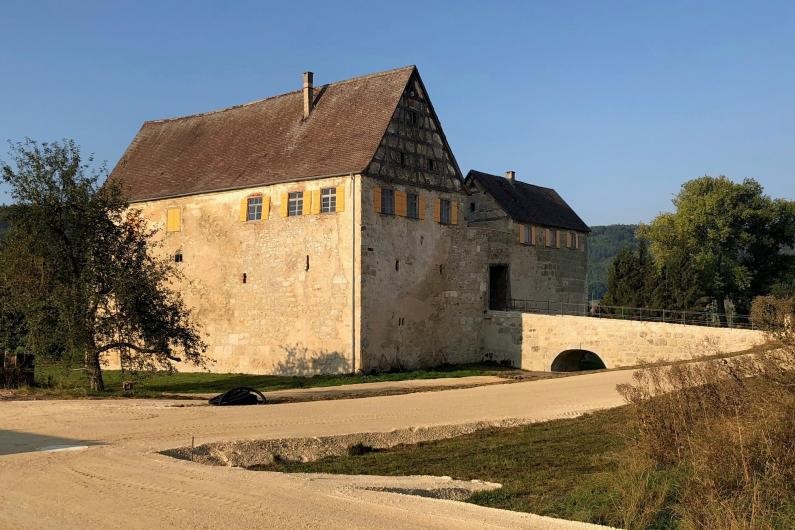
(309, 94)
(511, 176)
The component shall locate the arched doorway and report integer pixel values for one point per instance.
(576, 361)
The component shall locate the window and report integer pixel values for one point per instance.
(471, 206)
(430, 164)
(413, 118)
(552, 237)
(173, 220)
(402, 159)
(254, 209)
(444, 211)
(328, 200)
(527, 235)
(295, 203)
(541, 239)
(412, 206)
(178, 257)
(388, 201)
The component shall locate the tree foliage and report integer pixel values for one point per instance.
(76, 264)
(725, 241)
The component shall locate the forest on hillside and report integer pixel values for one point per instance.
(605, 242)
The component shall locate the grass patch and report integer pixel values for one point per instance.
(56, 380)
(563, 468)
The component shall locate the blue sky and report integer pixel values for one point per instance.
(614, 104)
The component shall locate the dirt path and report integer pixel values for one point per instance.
(119, 480)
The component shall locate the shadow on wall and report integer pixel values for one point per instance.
(299, 360)
(577, 361)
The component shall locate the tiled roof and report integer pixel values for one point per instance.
(263, 142)
(529, 204)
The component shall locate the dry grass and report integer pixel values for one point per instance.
(724, 428)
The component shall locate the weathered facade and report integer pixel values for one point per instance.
(330, 229)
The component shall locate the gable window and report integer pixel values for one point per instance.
(254, 209)
(295, 203)
(328, 200)
(444, 211)
(430, 164)
(412, 206)
(403, 159)
(178, 257)
(388, 201)
(413, 117)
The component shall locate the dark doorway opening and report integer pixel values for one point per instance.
(577, 361)
(499, 288)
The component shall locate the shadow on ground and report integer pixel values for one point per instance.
(13, 442)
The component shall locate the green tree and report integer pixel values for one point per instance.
(727, 240)
(631, 278)
(76, 264)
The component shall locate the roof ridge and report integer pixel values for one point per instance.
(254, 102)
(517, 180)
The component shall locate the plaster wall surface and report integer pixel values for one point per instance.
(295, 312)
(533, 341)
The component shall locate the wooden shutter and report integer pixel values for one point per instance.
(341, 198)
(421, 206)
(285, 203)
(522, 228)
(244, 210)
(454, 212)
(314, 201)
(437, 210)
(377, 199)
(533, 235)
(266, 207)
(400, 203)
(173, 220)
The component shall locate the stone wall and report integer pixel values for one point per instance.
(294, 313)
(533, 341)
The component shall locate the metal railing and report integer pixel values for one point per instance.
(691, 318)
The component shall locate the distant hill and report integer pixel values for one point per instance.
(604, 243)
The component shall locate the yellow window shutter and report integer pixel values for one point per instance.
(400, 203)
(437, 210)
(454, 212)
(341, 198)
(522, 228)
(284, 204)
(266, 208)
(173, 220)
(422, 206)
(243, 210)
(315, 201)
(377, 199)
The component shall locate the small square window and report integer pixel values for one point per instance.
(444, 211)
(388, 201)
(295, 203)
(254, 209)
(328, 200)
(178, 257)
(412, 206)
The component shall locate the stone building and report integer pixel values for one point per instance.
(331, 229)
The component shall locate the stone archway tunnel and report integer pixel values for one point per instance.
(570, 343)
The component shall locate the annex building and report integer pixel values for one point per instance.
(331, 229)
